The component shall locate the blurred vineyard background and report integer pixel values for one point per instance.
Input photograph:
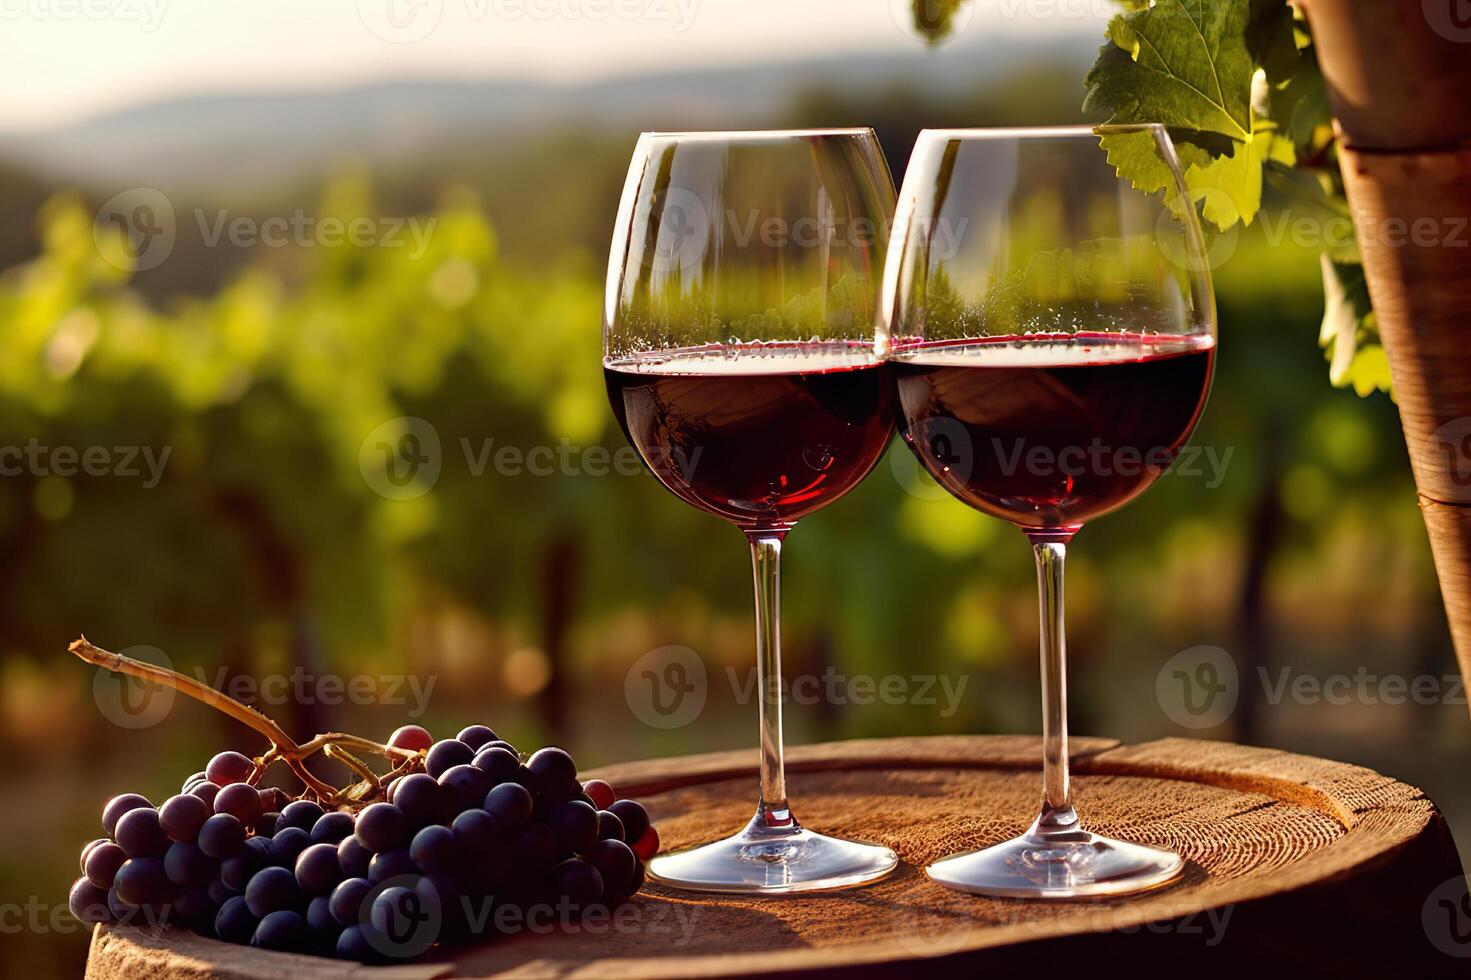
(527, 598)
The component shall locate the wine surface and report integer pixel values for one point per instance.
(760, 435)
(1046, 432)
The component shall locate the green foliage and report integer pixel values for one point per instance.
(1237, 83)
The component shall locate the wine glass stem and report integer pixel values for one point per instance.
(1057, 808)
(772, 813)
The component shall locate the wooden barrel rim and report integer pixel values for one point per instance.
(1379, 815)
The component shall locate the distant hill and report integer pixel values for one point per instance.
(199, 142)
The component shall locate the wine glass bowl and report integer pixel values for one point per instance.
(1052, 332)
(740, 360)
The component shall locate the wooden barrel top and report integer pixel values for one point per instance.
(1291, 860)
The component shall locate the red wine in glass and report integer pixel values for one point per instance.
(760, 435)
(1049, 431)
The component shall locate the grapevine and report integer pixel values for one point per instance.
(379, 870)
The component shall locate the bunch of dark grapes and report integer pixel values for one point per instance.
(478, 830)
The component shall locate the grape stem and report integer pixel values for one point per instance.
(283, 747)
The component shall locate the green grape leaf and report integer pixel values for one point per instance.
(934, 20)
(1349, 334)
(1183, 63)
(1230, 187)
(1187, 64)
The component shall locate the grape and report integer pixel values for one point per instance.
(287, 846)
(433, 848)
(353, 857)
(221, 837)
(182, 816)
(395, 912)
(554, 770)
(140, 834)
(206, 791)
(237, 871)
(121, 911)
(116, 807)
(464, 787)
(610, 827)
(634, 817)
(578, 882)
(234, 922)
(420, 799)
(501, 766)
(382, 827)
(536, 847)
(241, 801)
(319, 914)
(88, 902)
(476, 823)
(391, 864)
(187, 865)
(303, 814)
(390, 789)
(271, 890)
(229, 767)
(103, 862)
(474, 830)
(411, 737)
(317, 869)
(600, 792)
(193, 907)
(647, 845)
(347, 900)
(332, 828)
(616, 862)
(353, 945)
(441, 899)
(511, 805)
(477, 736)
(92, 846)
(446, 754)
(576, 825)
(283, 930)
(220, 893)
(143, 881)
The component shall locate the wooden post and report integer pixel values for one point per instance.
(1399, 77)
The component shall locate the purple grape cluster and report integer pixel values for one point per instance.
(479, 830)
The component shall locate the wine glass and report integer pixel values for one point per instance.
(738, 349)
(1052, 333)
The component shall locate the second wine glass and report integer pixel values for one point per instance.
(1052, 332)
(738, 349)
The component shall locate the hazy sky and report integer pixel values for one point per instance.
(66, 59)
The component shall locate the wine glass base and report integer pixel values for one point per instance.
(1083, 866)
(763, 862)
